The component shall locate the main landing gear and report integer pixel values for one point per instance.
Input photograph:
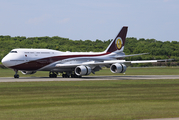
(16, 74)
(53, 74)
(66, 75)
(75, 76)
(70, 75)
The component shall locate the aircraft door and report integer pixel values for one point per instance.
(26, 58)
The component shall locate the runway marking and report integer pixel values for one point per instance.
(89, 78)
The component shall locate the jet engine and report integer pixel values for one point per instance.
(82, 70)
(118, 68)
(28, 72)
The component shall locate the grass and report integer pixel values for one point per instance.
(105, 71)
(124, 99)
(144, 71)
(10, 73)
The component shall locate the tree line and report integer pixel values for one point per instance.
(157, 49)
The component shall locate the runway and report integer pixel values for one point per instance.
(89, 78)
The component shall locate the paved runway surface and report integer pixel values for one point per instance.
(87, 78)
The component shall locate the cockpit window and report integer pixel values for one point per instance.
(13, 52)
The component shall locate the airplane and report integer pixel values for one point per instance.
(71, 64)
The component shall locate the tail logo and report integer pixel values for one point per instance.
(119, 43)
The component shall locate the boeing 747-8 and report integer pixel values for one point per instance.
(70, 64)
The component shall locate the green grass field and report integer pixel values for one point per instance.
(105, 71)
(124, 100)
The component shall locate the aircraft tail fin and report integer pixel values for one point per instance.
(118, 43)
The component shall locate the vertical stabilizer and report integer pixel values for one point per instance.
(118, 43)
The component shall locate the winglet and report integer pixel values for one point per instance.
(118, 42)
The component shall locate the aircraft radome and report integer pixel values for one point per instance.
(70, 64)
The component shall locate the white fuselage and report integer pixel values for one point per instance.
(46, 59)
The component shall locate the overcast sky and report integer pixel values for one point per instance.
(90, 19)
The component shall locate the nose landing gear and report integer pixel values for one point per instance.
(16, 74)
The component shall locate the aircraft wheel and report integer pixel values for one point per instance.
(53, 75)
(50, 75)
(16, 76)
(72, 75)
(76, 76)
(65, 76)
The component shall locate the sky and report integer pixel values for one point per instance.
(90, 19)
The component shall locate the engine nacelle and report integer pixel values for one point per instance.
(118, 68)
(28, 72)
(82, 70)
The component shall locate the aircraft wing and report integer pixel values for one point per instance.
(91, 63)
(106, 63)
(116, 66)
(123, 56)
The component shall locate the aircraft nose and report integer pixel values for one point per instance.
(5, 61)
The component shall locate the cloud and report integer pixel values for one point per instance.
(38, 20)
